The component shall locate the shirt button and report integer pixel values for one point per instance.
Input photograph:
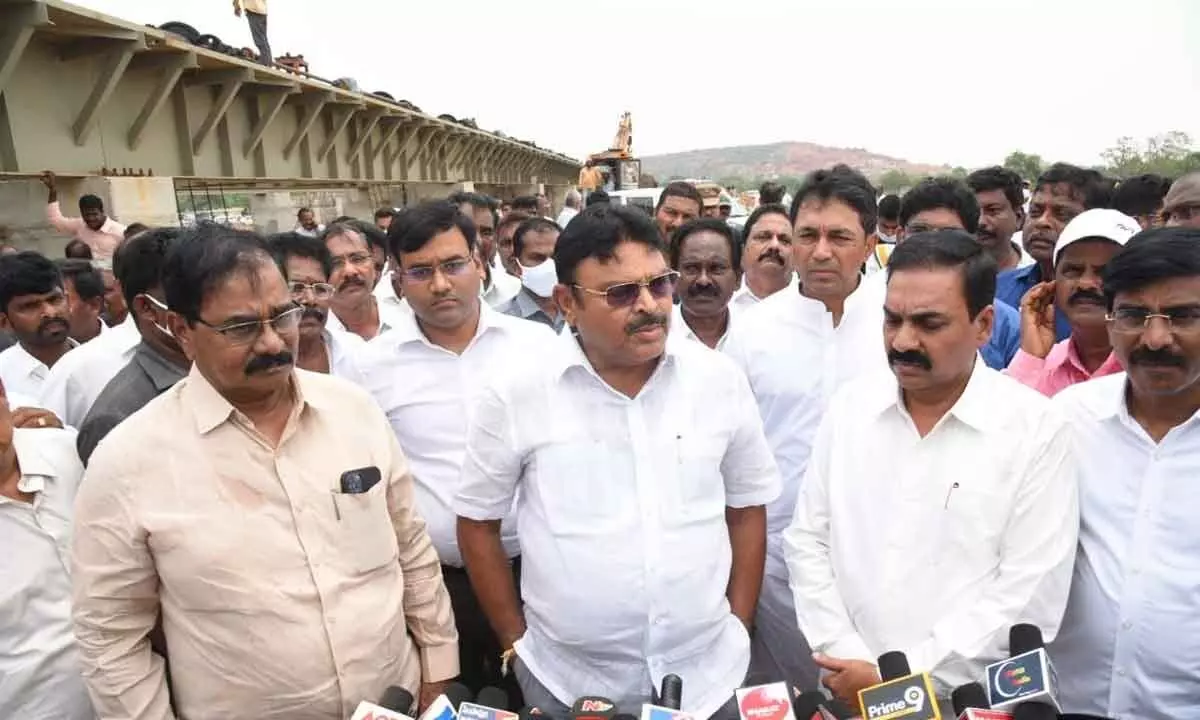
(1121, 673)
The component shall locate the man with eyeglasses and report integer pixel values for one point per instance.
(766, 256)
(1130, 637)
(307, 264)
(642, 527)
(354, 307)
(424, 375)
(267, 510)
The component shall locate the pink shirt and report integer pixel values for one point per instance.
(103, 242)
(1061, 369)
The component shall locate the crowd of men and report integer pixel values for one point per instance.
(570, 456)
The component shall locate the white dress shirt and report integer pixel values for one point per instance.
(342, 348)
(680, 327)
(78, 378)
(25, 375)
(744, 297)
(565, 216)
(427, 392)
(504, 288)
(40, 673)
(936, 545)
(385, 293)
(1129, 647)
(621, 509)
(390, 315)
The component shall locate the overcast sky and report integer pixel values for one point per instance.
(960, 82)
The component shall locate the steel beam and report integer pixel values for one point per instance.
(339, 124)
(224, 99)
(173, 69)
(364, 133)
(312, 107)
(111, 71)
(275, 101)
(18, 23)
(389, 132)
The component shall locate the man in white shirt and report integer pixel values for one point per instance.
(533, 251)
(354, 308)
(797, 347)
(1129, 639)
(425, 376)
(306, 223)
(571, 206)
(705, 254)
(40, 672)
(940, 504)
(1000, 193)
(307, 265)
(766, 255)
(498, 287)
(84, 286)
(641, 517)
(34, 307)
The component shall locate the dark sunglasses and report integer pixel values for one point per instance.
(625, 294)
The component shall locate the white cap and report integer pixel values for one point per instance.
(1099, 223)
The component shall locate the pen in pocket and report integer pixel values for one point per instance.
(948, 494)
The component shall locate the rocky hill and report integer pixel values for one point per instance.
(785, 159)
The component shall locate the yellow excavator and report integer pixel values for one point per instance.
(616, 168)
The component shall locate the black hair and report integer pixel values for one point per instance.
(302, 210)
(345, 227)
(203, 258)
(999, 178)
(950, 248)
(844, 184)
(134, 228)
(376, 238)
(1092, 188)
(532, 225)
(889, 208)
(716, 225)
(598, 197)
(385, 212)
(526, 203)
(78, 249)
(941, 192)
(90, 202)
(758, 214)
(682, 189)
(1151, 256)
(771, 193)
(27, 273)
(597, 231)
(138, 262)
(87, 280)
(515, 217)
(483, 202)
(421, 223)
(344, 219)
(286, 245)
(1141, 194)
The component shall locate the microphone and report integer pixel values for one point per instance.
(901, 694)
(672, 692)
(769, 702)
(971, 703)
(593, 708)
(490, 704)
(806, 706)
(1034, 711)
(445, 706)
(1025, 677)
(394, 705)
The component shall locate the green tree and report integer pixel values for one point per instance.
(1171, 154)
(1026, 165)
(894, 181)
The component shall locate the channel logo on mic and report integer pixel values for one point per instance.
(910, 697)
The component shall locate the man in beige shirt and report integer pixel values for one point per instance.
(256, 17)
(268, 510)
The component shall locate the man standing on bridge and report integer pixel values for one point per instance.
(256, 17)
(100, 232)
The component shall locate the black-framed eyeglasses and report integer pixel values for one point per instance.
(244, 333)
(1132, 320)
(320, 291)
(358, 259)
(425, 273)
(626, 294)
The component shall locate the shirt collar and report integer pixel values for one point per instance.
(974, 407)
(571, 355)
(1065, 353)
(162, 372)
(408, 330)
(211, 409)
(679, 323)
(35, 466)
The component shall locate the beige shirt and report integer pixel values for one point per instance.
(254, 6)
(103, 242)
(281, 597)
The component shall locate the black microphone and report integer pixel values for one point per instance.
(672, 692)
(1034, 711)
(593, 707)
(806, 705)
(1026, 677)
(457, 694)
(397, 698)
(893, 664)
(493, 697)
(394, 705)
(445, 706)
(900, 692)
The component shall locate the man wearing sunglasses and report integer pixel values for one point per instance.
(267, 511)
(307, 264)
(640, 508)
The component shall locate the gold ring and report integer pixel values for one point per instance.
(41, 422)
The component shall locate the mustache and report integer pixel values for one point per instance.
(910, 357)
(312, 312)
(706, 290)
(645, 320)
(262, 363)
(772, 252)
(351, 281)
(54, 322)
(1160, 358)
(1086, 295)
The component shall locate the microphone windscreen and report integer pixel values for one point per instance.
(807, 704)
(971, 695)
(397, 698)
(457, 694)
(672, 692)
(893, 664)
(492, 697)
(1034, 711)
(624, 716)
(1024, 637)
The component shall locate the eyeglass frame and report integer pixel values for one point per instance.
(223, 330)
(606, 293)
(306, 288)
(1113, 320)
(444, 267)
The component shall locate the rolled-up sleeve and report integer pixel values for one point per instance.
(115, 597)
(427, 608)
(60, 222)
(748, 467)
(492, 464)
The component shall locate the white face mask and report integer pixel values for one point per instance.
(540, 279)
(155, 302)
(885, 238)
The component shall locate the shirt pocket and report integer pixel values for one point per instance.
(367, 538)
(585, 488)
(975, 513)
(697, 490)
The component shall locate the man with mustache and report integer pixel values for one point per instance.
(766, 256)
(959, 518)
(641, 518)
(33, 306)
(1001, 197)
(678, 203)
(266, 512)
(307, 265)
(354, 307)
(424, 376)
(796, 347)
(1085, 246)
(1130, 634)
(1061, 192)
(499, 287)
(705, 254)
